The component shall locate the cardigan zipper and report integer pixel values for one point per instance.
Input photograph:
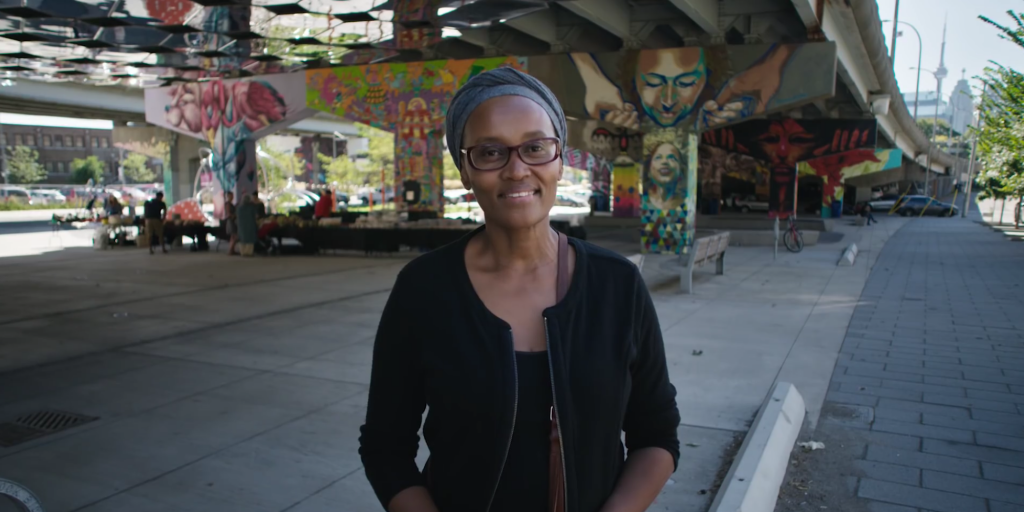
(515, 411)
(554, 405)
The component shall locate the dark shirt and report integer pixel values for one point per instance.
(524, 481)
(154, 209)
(452, 355)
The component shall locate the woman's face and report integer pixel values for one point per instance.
(665, 164)
(517, 195)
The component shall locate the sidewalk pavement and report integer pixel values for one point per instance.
(925, 410)
(227, 384)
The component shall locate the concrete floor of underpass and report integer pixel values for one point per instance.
(239, 384)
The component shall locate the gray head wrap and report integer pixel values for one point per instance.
(491, 84)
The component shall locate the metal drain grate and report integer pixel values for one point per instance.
(38, 424)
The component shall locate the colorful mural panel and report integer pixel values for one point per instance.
(625, 187)
(668, 206)
(836, 169)
(227, 113)
(695, 88)
(408, 99)
(783, 143)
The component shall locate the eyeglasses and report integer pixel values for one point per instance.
(491, 157)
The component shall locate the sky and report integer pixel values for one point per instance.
(57, 122)
(970, 42)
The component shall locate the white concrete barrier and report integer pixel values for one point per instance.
(753, 481)
(849, 256)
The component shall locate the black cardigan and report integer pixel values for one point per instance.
(439, 346)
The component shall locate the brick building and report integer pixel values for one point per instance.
(58, 147)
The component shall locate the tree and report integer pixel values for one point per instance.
(1001, 131)
(927, 125)
(342, 171)
(23, 165)
(83, 169)
(135, 168)
(381, 155)
(451, 172)
(279, 167)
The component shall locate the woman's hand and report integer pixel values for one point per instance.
(646, 472)
(413, 499)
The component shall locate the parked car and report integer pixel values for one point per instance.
(914, 205)
(747, 203)
(888, 202)
(16, 194)
(364, 195)
(40, 196)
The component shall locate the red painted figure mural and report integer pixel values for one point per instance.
(783, 143)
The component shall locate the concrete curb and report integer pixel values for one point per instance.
(849, 256)
(753, 481)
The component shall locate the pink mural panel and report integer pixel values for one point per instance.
(227, 114)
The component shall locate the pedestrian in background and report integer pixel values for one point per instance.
(154, 211)
(867, 213)
(248, 212)
(230, 222)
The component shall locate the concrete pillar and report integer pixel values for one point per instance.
(180, 172)
(863, 194)
(669, 199)
(419, 164)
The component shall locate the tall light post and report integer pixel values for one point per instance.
(920, 48)
(974, 149)
(895, 33)
(939, 75)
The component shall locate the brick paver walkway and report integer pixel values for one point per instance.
(933, 363)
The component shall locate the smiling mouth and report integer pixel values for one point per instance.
(520, 195)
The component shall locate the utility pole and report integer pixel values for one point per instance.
(974, 149)
(895, 34)
(940, 73)
(3, 155)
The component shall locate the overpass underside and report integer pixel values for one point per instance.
(671, 102)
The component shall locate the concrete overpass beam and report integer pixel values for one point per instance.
(611, 15)
(540, 24)
(703, 12)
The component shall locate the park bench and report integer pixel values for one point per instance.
(705, 249)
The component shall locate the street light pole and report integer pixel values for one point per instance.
(895, 28)
(920, 48)
(974, 149)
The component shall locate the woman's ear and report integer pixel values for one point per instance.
(464, 175)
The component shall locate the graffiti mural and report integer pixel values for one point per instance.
(695, 88)
(409, 99)
(667, 94)
(625, 187)
(668, 204)
(227, 114)
(783, 143)
(836, 169)
(719, 168)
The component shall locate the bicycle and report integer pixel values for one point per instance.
(793, 238)
(18, 494)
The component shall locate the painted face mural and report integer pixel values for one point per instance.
(784, 143)
(664, 181)
(669, 83)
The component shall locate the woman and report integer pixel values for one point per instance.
(248, 214)
(529, 394)
(324, 206)
(231, 222)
